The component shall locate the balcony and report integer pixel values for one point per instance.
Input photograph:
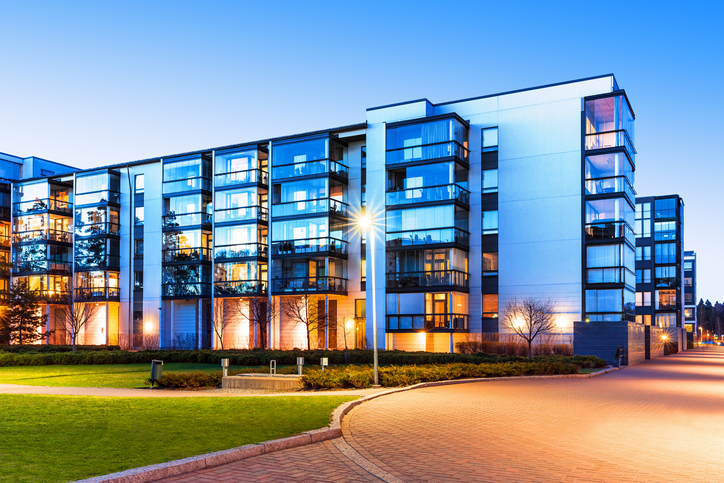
(42, 235)
(329, 206)
(427, 323)
(612, 184)
(309, 246)
(186, 219)
(39, 206)
(450, 192)
(4, 240)
(244, 250)
(610, 230)
(322, 166)
(240, 287)
(668, 282)
(180, 290)
(241, 177)
(42, 266)
(96, 197)
(97, 293)
(248, 213)
(611, 139)
(190, 184)
(433, 236)
(425, 152)
(289, 286)
(187, 255)
(99, 262)
(422, 279)
(93, 229)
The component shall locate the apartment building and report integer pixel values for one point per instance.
(659, 260)
(690, 295)
(474, 203)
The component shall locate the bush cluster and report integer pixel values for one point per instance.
(512, 345)
(399, 376)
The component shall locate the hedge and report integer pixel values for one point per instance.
(45, 348)
(256, 357)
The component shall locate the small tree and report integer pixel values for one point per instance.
(259, 312)
(528, 318)
(304, 309)
(76, 316)
(218, 321)
(22, 322)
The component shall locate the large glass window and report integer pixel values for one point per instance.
(437, 174)
(608, 166)
(490, 139)
(97, 220)
(643, 220)
(237, 162)
(665, 208)
(490, 222)
(440, 259)
(643, 299)
(425, 218)
(490, 181)
(608, 300)
(643, 276)
(301, 229)
(490, 263)
(664, 230)
(665, 253)
(186, 174)
(611, 210)
(666, 320)
(609, 114)
(427, 140)
(139, 184)
(665, 299)
(643, 253)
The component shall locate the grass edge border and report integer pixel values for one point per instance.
(145, 474)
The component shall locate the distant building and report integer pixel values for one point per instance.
(690, 295)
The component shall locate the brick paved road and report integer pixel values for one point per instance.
(658, 421)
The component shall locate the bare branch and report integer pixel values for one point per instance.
(530, 317)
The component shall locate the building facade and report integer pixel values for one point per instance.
(690, 295)
(659, 261)
(474, 203)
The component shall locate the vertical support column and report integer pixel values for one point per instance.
(107, 324)
(326, 321)
(452, 345)
(171, 325)
(47, 323)
(213, 266)
(199, 324)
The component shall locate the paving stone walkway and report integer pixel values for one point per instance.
(662, 420)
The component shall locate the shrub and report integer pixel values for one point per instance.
(44, 349)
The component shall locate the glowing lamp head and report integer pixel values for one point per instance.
(664, 337)
(365, 221)
(349, 324)
(148, 326)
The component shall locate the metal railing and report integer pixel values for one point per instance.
(446, 192)
(428, 237)
(186, 289)
(241, 287)
(309, 284)
(97, 293)
(42, 235)
(321, 166)
(433, 278)
(610, 139)
(427, 322)
(241, 177)
(186, 219)
(310, 246)
(46, 204)
(92, 229)
(247, 213)
(241, 251)
(423, 152)
(25, 266)
(321, 205)
(187, 254)
(103, 196)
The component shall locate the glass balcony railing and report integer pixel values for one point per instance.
(422, 322)
(667, 282)
(92, 229)
(4, 240)
(191, 184)
(241, 287)
(309, 284)
(42, 235)
(42, 266)
(186, 219)
(187, 255)
(193, 289)
(242, 250)
(97, 293)
(613, 184)
(54, 296)
(427, 151)
(308, 246)
(428, 237)
(610, 230)
(322, 205)
(432, 193)
(248, 213)
(434, 278)
(322, 166)
(104, 196)
(38, 206)
(98, 262)
(241, 177)
(611, 139)
(611, 275)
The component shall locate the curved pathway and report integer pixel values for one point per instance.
(662, 420)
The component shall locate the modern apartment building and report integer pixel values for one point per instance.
(659, 260)
(690, 295)
(474, 203)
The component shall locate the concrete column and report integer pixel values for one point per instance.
(172, 328)
(107, 338)
(326, 324)
(199, 324)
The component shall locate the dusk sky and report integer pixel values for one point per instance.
(97, 83)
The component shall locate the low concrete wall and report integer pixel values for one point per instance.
(601, 339)
(654, 344)
(278, 383)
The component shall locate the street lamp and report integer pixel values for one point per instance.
(366, 225)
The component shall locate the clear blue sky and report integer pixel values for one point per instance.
(94, 83)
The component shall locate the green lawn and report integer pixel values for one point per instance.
(63, 438)
(111, 375)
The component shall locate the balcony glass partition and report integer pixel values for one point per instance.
(428, 194)
(430, 236)
(610, 123)
(310, 157)
(98, 188)
(100, 220)
(427, 217)
(248, 166)
(327, 206)
(187, 174)
(609, 210)
(427, 140)
(310, 246)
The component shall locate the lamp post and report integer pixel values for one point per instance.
(367, 226)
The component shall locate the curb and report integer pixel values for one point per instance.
(150, 473)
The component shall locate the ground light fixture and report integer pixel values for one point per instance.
(366, 225)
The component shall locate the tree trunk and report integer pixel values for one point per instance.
(530, 350)
(309, 343)
(73, 342)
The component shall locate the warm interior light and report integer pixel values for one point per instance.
(349, 324)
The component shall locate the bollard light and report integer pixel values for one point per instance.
(300, 364)
(272, 368)
(324, 362)
(224, 367)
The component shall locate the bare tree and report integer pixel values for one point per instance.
(259, 312)
(76, 317)
(218, 321)
(528, 318)
(304, 309)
